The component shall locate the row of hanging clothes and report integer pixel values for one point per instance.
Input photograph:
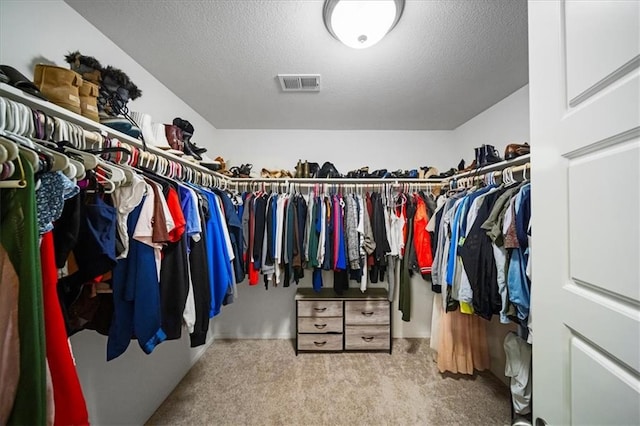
(97, 234)
(360, 236)
(481, 269)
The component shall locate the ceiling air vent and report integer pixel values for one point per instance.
(299, 82)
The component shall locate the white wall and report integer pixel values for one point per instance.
(504, 123)
(259, 313)
(129, 389)
(347, 149)
(45, 31)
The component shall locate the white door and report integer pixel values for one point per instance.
(584, 59)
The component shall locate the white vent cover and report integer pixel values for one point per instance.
(299, 82)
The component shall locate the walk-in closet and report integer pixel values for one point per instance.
(322, 212)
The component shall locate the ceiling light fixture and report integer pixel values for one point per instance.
(361, 23)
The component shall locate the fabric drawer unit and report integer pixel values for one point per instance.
(320, 308)
(320, 342)
(367, 337)
(320, 325)
(352, 321)
(366, 312)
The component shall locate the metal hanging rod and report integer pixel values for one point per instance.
(490, 168)
(312, 181)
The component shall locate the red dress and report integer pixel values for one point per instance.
(70, 406)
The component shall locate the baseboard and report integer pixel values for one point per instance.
(252, 336)
(269, 336)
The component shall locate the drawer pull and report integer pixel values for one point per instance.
(367, 314)
(320, 343)
(319, 326)
(320, 309)
(367, 338)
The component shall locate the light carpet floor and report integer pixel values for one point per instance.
(262, 382)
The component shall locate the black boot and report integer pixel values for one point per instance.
(491, 155)
(187, 133)
(328, 170)
(479, 155)
(186, 148)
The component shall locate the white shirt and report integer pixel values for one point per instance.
(144, 227)
(127, 198)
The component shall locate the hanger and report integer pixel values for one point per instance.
(109, 176)
(4, 154)
(89, 161)
(21, 129)
(20, 183)
(60, 161)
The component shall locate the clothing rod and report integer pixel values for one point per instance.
(54, 110)
(344, 181)
(495, 173)
(496, 167)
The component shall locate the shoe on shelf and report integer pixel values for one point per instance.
(116, 90)
(87, 66)
(489, 155)
(446, 174)
(477, 152)
(244, 171)
(470, 167)
(378, 173)
(187, 134)
(60, 85)
(88, 93)
(314, 168)
(362, 172)
(515, 150)
(427, 172)
(223, 164)
(186, 147)
(461, 165)
(210, 164)
(328, 170)
(13, 77)
(174, 137)
(159, 139)
(299, 170)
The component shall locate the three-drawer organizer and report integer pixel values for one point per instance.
(353, 321)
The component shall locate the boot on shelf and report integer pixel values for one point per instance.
(491, 155)
(116, 90)
(190, 148)
(87, 66)
(88, 93)
(60, 85)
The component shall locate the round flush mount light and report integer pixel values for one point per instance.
(361, 23)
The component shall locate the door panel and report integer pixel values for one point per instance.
(575, 139)
(605, 390)
(603, 220)
(586, 22)
(607, 322)
(585, 133)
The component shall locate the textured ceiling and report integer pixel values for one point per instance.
(445, 61)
